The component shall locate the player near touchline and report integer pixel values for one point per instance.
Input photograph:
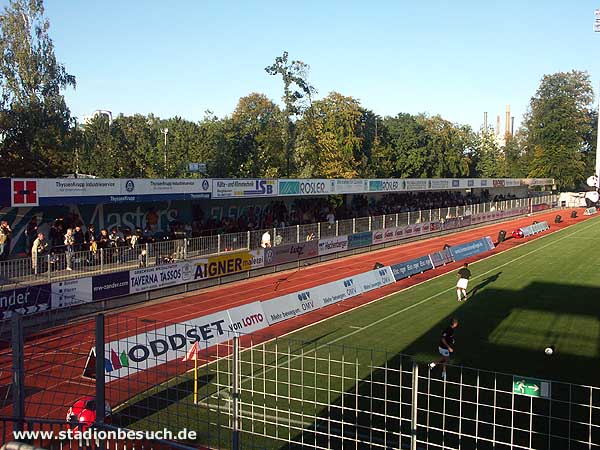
(446, 347)
(463, 282)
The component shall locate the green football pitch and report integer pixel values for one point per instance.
(521, 301)
(543, 293)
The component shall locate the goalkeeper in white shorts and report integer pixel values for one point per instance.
(463, 282)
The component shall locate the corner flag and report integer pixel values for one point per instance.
(192, 354)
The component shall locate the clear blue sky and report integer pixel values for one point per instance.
(453, 58)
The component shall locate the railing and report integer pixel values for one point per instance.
(69, 265)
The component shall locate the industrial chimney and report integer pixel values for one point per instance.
(507, 132)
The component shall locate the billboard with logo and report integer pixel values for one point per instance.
(360, 239)
(160, 276)
(235, 188)
(110, 285)
(71, 292)
(333, 245)
(374, 279)
(413, 267)
(386, 185)
(227, 264)
(351, 186)
(282, 254)
(176, 188)
(303, 187)
(24, 192)
(128, 356)
(26, 300)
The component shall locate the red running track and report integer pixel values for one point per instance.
(55, 358)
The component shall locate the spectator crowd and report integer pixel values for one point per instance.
(68, 234)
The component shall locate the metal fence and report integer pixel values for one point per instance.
(256, 392)
(67, 265)
(298, 394)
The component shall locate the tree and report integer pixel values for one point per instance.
(34, 119)
(331, 138)
(297, 97)
(558, 126)
(488, 159)
(260, 141)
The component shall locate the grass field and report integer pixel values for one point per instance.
(544, 293)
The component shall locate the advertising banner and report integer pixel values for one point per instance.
(440, 258)
(416, 184)
(386, 185)
(234, 188)
(227, 264)
(336, 291)
(374, 279)
(281, 308)
(462, 251)
(79, 187)
(409, 268)
(180, 188)
(247, 318)
(387, 235)
(160, 276)
(27, 300)
(333, 245)
(351, 186)
(110, 285)
(306, 187)
(282, 254)
(360, 239)
(132, 354)
(439, 183)
(71, 292)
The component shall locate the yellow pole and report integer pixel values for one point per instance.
(196, 379)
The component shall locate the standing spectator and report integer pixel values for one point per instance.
(90, 234)
(79, 238)
(31, 234)
(103, 240)
(69, 247)
(265, 241)
(330, 218)
(37, 250)
(5, 232)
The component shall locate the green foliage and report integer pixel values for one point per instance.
(558, 128)
(34, 119)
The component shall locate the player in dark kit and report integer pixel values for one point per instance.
(446, 347)
(463, 282)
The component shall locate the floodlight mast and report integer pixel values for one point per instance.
(597, 168)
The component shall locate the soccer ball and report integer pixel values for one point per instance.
(548, 351)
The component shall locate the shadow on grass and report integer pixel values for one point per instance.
(500, 330)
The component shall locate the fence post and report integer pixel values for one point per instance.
(297, 234)
(408, 218)
(235, 395)
(147, 254)
(248, 239)
(353, 225)
(415, 398)
(49, 267)
(420, 216)
(370, 224)
(101, 260)
(185, 244)
(219, 243)
(18, 375)
(337, 227)
(318, 230)
(100, 401)
(396, 219)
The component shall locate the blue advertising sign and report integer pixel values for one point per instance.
(110, 285)
(414, 266)
(360, 239)
(25, 301)
(463, 251)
